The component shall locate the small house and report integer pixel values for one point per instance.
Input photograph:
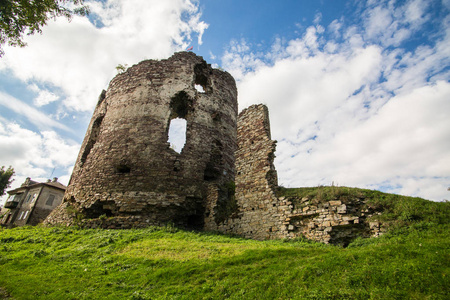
(32, 202)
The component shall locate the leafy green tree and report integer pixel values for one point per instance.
(5, 179)
(18, 17)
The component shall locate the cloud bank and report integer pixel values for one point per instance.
(34, 154)
(351, 105)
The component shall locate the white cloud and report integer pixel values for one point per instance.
(336, 121)
(238, 60)
(35, 154)
(44, 98)
(300, 91)
(317, 18)
(80, 58)
(446, 3)
(335, 28)
(391, 24)
(378, 20)
(33, 115)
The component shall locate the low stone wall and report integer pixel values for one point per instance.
(337, 221)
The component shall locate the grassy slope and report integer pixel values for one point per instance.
(410, 262)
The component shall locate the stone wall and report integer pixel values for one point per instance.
(126, 167)
(258, 213)
(336, 221)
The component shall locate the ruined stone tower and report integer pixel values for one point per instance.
(223, 179)
(126, 169)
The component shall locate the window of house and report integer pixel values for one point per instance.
(28, 198)
(25, 216)
(12, 198)
(50, 200)
(21, 214)
(34, 197)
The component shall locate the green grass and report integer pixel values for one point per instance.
(411, 261)
(155, 263)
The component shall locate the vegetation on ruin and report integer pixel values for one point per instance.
(395, 210)
(411, 261)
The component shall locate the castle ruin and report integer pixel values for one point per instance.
(127, 175)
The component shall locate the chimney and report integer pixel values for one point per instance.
(55, 179)
(27, 182)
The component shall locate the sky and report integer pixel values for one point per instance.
(358, 91)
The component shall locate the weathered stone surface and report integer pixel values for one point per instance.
(259, 213)
(126, 166)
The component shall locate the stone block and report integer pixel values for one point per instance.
(342, 209)
(335, 203)
(374, 225)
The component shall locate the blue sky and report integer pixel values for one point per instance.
(358, 91)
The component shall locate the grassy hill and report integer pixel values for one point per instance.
(410, 261)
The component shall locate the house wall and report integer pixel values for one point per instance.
(10, 214)
(41, 209)
(25, 207)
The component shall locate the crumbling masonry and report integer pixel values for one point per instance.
(127, 175)
(126, 169)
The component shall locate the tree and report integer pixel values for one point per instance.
(5, 179)
(20, 16)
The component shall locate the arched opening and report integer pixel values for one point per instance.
(201, 83)
(180, 107)
(177, 134)
(199, 88)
